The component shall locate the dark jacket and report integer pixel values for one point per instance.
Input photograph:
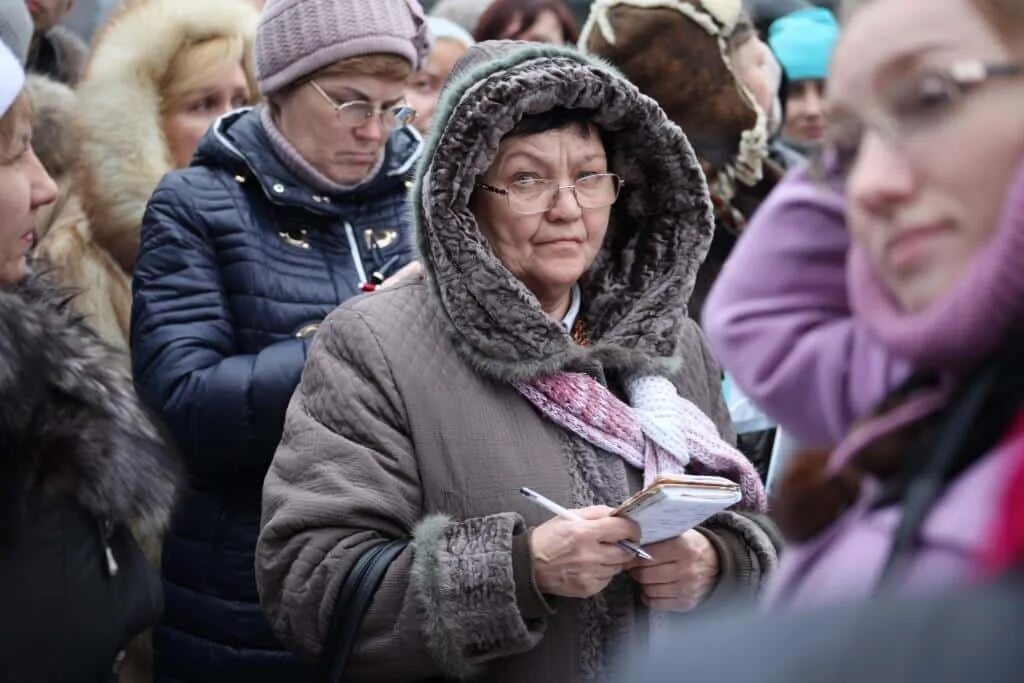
(80, 463)
(239, 262)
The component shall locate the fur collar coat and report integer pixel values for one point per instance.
(118, 153)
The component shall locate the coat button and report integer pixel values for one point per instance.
(278, 188)
(307, 331)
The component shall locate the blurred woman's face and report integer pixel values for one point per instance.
(926, 172)
(425, 85)
(752, 63)
(217, 92)
(24, 188)
(550, 250)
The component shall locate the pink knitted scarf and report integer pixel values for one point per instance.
(661, 433)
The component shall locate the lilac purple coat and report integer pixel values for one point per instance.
(780, 321)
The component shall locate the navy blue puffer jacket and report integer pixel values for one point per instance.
(239, 261)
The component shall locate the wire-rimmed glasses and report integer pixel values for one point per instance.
(538, 195)
(358, 112)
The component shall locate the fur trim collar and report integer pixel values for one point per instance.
(70, 420)
(123, 152)
(636, 292)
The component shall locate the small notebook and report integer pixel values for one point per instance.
(672, 505)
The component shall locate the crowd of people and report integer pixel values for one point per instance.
(296, 295)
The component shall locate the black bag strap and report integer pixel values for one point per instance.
(354, 596)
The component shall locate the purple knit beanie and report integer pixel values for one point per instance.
(297, 37)
(973, 318)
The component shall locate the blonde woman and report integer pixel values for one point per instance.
(146, 100)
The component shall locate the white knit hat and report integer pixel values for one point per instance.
(12, 78)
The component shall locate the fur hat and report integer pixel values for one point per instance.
(16, 27)
(297, 37)
(677, 51)
(122, 153)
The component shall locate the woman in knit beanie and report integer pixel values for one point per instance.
(803, 43)
(286, 210)
(878, 304)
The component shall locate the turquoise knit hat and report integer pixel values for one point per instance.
(803, 42)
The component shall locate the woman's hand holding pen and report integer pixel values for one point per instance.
(684, 572)
(577, 559)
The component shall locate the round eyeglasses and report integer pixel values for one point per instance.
(538, 195)
(359, 112)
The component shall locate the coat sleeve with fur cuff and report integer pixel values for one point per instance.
(748, 547)
(345, 476)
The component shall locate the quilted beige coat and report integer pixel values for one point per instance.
(405, 424)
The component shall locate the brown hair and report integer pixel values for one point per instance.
(504, 13)
(193, 61)
(20, 111)
(389, 67)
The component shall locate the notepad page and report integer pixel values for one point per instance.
(664, 516)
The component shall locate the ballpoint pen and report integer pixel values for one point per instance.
(556, 509)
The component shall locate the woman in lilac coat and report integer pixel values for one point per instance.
(877, 310)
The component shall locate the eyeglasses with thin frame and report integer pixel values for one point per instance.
(912, 109)
(358, 112)
(538, 195)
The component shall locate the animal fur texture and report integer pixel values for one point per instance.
(656, 241)
(70, 420)
(122, 150)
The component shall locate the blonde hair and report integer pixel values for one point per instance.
(19, 112)
(189, 66)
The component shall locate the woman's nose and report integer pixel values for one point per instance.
(372, 129)
(43, 190)
(881, 177)
(565, 207)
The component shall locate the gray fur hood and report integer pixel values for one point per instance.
(636, 292)
(70, 420)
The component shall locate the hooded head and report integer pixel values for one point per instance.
(677, 51)
(634, 295)
(122, 117)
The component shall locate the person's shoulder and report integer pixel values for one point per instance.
(195, 185)
(392, 314)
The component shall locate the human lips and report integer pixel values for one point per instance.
(30, 239)
(910, 246)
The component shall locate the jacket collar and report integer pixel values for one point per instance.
(238, 141)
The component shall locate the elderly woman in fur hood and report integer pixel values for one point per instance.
(561, 220)
(81, 461)
(144, 103)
